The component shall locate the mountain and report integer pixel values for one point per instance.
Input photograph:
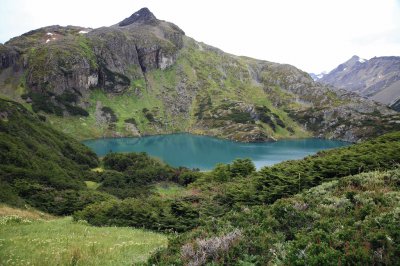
(144, 76)
(317, 77)
(377, 78)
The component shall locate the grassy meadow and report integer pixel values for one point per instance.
(34, 238)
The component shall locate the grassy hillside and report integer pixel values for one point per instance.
(347, 222)
(32, 238)
(205, 92)
(41, 166)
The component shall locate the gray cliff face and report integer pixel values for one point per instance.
(377, 78)
(56, 73)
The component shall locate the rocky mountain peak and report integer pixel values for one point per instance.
(377, 78)
(143, 16)
(354, 57)
(354, 60)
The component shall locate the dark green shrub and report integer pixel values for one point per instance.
(131, 121)
(242, 167)
(188, 177)
(76, 110)
(110, 112)
(38, 162)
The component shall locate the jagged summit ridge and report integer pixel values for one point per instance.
(144, 15)
(377, 78)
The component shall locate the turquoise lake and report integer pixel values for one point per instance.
(204, 152)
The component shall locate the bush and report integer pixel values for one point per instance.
(151, 213)
(76, 110)
(221, 172)
(133, 173)
(242, 167)
(67, 97)
(240, 117)
(131, 121)
(110, 113)
(188, 177)
(149, 116)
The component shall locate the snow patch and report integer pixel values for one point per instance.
(137, 15)
(83, 32)
(320, 76)
(47, 40)
(49, 34)
(361, 60)
(345, 69)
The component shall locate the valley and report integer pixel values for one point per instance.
(233, 160)
(58, 175)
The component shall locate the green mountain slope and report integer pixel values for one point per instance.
(41, 166)
(145, 76)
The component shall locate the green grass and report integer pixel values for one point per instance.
(170, 190)
(64, 242)
(98, 170)
(92, 185)
(125, 106)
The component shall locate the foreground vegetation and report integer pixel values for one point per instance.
(352, 221)
(41, 166)
(32, 238)
(336, 207)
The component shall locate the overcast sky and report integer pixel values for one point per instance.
(314, 35)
